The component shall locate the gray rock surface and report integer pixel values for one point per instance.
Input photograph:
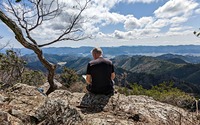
(24, 105)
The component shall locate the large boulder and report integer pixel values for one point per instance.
(23, 104)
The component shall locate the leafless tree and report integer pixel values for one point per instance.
(25, 16)
(197, 33)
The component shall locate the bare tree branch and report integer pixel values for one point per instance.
(43, 13)
(25, 27)
(32, 14)
(196, 33)
(74, 22)
(20, 38)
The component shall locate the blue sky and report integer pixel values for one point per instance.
(137, 9)
(127, 22)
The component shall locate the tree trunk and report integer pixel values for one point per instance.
(51, 70)
(52, 86)
(21, 39)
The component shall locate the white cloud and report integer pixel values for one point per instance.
(175, 8)
(145, 21)
(97, 16)
(119, 35)
(172, 29)
(160, 23)
(110, 3)
(178, 20)
(197, 11)
(135, 34)
(114, 18)
(105, 3)
(180, 29)
(98, 13)
(89, 28)
(178, 33)
(132, 23)
(146, 32)
(141, 1)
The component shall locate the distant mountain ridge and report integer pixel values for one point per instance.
(122, 50)
(185, 58)
(144, 70)
(151, 71)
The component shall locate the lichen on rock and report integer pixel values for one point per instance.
(23, 104)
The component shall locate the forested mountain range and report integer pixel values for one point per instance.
(147, 71)
(122, 50)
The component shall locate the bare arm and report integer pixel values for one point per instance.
(88, 79)
(112, 75)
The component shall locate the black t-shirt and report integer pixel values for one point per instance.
(100, 71)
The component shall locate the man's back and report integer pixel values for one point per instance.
(100, 70)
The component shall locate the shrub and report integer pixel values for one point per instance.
(68, 77)
(124, 90)
(164, 92)
(78, 87)
(11, 67)
(33, 77)
(12, 71)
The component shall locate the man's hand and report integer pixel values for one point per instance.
(112, 76)
(88, 79)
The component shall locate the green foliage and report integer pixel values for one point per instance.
(137, 89)
(12, 71)
(164, 92)
(124, 90)
(68, 77)
(11, 67)
(31, 77)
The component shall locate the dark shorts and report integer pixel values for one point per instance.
(106, 92)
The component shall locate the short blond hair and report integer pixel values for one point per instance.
(97, 50)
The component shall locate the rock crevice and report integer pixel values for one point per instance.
(23, 104)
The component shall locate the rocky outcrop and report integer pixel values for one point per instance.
(23, 104)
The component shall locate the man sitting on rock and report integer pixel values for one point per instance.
(100, 74)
